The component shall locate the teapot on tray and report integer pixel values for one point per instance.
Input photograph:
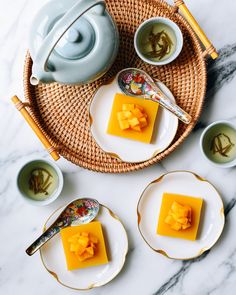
(72, 42)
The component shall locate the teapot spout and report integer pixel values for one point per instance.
(39, 76)
(34, 80)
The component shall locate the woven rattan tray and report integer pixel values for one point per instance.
(61, 111)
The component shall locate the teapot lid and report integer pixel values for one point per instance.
(78, 41)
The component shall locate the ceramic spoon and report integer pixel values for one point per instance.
(136, 82)
(81, 210)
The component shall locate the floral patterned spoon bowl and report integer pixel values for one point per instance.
(135, 82)
(80, 211)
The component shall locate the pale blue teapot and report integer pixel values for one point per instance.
(72, 42)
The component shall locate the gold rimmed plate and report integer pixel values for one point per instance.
(53, 258)
(211, 222)
(124, 149)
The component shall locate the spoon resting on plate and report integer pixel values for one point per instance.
(135, 82)
(81, 210)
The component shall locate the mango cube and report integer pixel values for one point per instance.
(83, 241)
(132, 118)
(143, 122)
(84, 245)
(138, 106)
(124, 124)
(138, 113)
(137, 128)
(127, 114)
(133, 122)
(127, 107)
(121, 116)
(179, 216)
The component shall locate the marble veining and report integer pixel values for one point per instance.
(175, 279)
(219, 73)
(145, 272)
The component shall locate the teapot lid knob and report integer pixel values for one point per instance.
(78, 41)
(72, 35)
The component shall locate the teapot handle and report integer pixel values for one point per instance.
(54, 36)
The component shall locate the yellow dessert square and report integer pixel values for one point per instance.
(100, 256)
(165, 229)
(141, 134)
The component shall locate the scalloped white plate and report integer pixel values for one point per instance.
(53, 257)
(211, 222)
(127, 150)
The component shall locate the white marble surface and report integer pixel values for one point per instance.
(145, 272)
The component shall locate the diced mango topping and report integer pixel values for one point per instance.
(179, 216)
(83, 245)
(132, 117)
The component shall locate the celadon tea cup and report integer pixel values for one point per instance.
(158, 41)
(40, 182)
(218, 144)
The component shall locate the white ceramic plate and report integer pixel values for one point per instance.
(211, 222)
(125, 149)
(53, 257)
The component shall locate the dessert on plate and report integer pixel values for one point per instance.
(179, 216)
(133, 118)
(84, 245)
